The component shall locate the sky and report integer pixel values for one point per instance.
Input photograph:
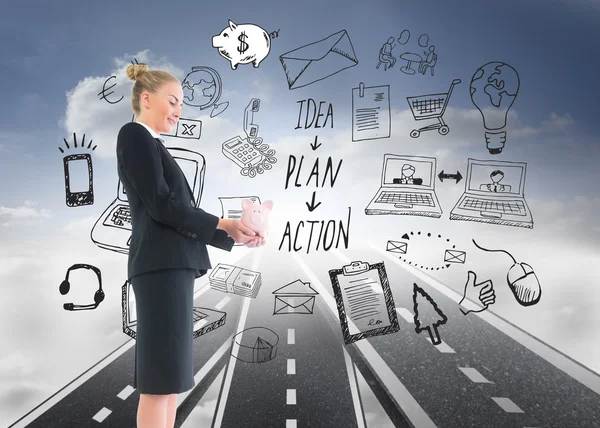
(54, 63)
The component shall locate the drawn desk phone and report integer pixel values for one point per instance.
(241, 152)
(250, 128)
(73, 198)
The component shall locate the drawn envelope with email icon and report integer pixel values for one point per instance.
(396, 247)
(455, 256)
(317, 61)
(295, 298)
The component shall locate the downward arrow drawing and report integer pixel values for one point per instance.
(311, 207)
(314, 145)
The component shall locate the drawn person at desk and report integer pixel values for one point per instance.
(168, 246)
(495, 186)
(407, 176)
(386, 53)
(429, 61)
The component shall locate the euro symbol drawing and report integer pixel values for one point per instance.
(103, 93)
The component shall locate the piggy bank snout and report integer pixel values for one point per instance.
(217, 41)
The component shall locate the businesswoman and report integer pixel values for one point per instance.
(167, 251)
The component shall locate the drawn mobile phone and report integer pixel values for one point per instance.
(78, 198)
(241, 152)
(250, 128)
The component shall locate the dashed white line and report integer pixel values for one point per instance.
(406, 314)
(222, 303)
(442, 347)
(291, 423)
(291, 366)
(102, 414)
(290, 397)
(353, 382)
(126, 392)
(291, 336)
(507, 405)
(474, 375)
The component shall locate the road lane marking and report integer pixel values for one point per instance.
(353, 381)
(126, 392)
(222, 303)
(576, 370)
(406, 314)
(387, 377)
(222, 400)
(102, 414)
(442, 347)
(291, 336)
(474, 375)
(291, 423)
(290, 397)
(507, 405)
(291, 366)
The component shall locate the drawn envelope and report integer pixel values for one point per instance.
(396, 247)
(295, 298)
(317, 61)
(455, 256)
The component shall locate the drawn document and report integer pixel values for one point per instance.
(364, 300)
(371, 112)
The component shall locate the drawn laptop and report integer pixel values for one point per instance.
(494, 194)
(112, 230)
(204, 319)
(407, 187)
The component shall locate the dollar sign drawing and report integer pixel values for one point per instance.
(243, 45)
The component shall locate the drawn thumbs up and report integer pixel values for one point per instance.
(477, 297)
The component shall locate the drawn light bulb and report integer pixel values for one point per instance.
(494, 88)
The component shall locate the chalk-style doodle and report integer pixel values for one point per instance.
(423, 40)
(451, 255)
(319, 60)
(429, 62)
(202, 88)
(482, 294)
(396, 247)
(235, 280)
(494, 88)
(204, 320)
(410, 57)
(428, 317)
(313, 204)
(85, 196)
(385, 55)
(404, 37)
(255, 345)
(257, 216)
(243, 44)
(297, 297)
(363, 290)
(274, 34)
(103, 95)
(315, 145)
(65, 286)
(112, 230)
(407, 187)
(485, 200)
(455, 256)
(250, 154)
(371, 112)
(186, 128)
(521, 279)
(231, 207)
(431, 106)
(458, 176)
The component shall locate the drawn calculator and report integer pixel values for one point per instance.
(241, 152)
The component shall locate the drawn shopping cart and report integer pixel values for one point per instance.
(431, 106)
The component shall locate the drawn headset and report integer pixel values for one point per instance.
(65, 287)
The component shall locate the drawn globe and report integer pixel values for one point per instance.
(201, 87)
(494, 84)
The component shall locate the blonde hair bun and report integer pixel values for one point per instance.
(134, 71)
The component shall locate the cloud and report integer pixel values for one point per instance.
(25, 214)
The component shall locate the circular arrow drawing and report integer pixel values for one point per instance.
(451, 255)
(103, 93)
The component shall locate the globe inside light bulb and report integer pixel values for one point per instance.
(494, 88)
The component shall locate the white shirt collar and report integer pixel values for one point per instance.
(151, 131)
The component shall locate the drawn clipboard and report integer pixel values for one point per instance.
(364, 301)
(371, 112)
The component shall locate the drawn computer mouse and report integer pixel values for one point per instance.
(524, 284)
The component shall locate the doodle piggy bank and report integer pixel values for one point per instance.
(256, 216)
(242, 44)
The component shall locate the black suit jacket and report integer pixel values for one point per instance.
(167, 230)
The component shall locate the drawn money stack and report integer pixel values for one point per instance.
(235, 280)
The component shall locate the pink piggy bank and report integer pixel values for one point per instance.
(256, 216)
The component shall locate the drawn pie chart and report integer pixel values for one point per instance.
(255, 345)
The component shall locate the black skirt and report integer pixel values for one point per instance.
(163, 349)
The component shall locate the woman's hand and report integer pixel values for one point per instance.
(255, 242)
(240, 233)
